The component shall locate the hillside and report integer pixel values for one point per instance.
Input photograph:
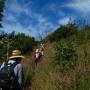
(43, 78)
(47, 75)
(65, 64)
(63, 26)
(36, 76)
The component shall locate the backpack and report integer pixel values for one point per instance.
(6, 73)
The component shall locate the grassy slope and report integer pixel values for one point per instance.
(47, 76)
(43, 78)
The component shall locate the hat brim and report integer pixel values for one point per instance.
(16, 57)
(37, 51)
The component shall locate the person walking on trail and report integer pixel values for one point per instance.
(37, 56)
(42, 49)
(16, 80)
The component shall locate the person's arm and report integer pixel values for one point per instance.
(20, 74)
(2, 65)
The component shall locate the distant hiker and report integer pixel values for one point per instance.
(42, 49)
(11, 72)
(37, 56)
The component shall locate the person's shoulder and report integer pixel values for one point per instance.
(11, 61)
(19, 65)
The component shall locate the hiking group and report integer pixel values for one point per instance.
(11, 72)
(38, 54)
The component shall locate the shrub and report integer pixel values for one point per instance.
(63, 32)
(6, 45)
(25, 43)
(65, 55)
(8, 42)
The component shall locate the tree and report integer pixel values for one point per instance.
(63, 31)
(1, 10)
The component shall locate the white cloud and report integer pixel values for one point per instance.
(31, 29)
(64, 21)
(10, 17)
(18, 8)
(43, 23)
(80, 5)
(16, 27)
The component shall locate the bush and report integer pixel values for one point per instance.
(65, 55)
(6, 46)
(9, 42)
(25, 43)
(63, 32)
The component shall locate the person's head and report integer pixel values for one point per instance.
(37, 50)
(16, 55)
(42, 45)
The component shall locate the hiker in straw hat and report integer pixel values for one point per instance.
(16, 54)
(15, 57)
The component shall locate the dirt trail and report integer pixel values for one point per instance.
(29, 59)
(27, 63)
(43, 65)
(42, 69)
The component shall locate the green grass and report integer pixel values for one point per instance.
(47, 76)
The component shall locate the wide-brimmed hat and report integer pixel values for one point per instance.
(16, 54)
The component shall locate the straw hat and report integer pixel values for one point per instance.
(16, 54)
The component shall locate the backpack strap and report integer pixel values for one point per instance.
(14, 64)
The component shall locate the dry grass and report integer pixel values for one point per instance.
(48, 77)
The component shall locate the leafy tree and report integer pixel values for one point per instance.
(8, 42)
(24, 43)
(6, 45)
(63, 31)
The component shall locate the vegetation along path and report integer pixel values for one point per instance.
(47, 76)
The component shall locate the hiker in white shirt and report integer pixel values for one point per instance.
(37, 56)
(42, 49)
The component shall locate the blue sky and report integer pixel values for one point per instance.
(34, 17)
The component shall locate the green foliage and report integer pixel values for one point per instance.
(72, 56)
(27, 77)
(82, 81)
(6, 45)
(9, 42)
(65, 55)
(25, 43)
(63, 32)
(83, 35)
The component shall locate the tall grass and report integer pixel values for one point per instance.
(48, 75)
